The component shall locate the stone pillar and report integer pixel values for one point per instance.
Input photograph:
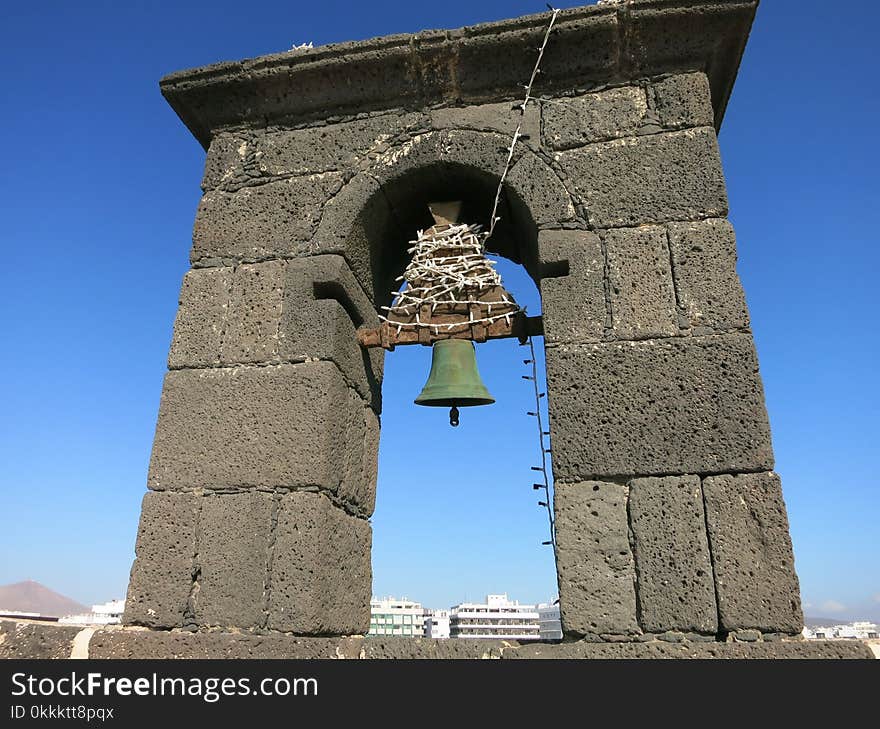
(670, 520)
(263, 471)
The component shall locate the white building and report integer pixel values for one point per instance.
(498, 617)
(390, 616)
(105, 613)
(859, 630)
(549, 621)
(437, 624)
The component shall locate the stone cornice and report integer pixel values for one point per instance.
(591, 45)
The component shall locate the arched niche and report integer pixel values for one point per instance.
(375, 215)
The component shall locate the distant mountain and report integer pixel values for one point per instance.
(32, 597)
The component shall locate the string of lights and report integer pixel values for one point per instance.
(517, 134)
(547, 501)
(449, 282)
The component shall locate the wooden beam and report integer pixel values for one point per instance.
(387, 336)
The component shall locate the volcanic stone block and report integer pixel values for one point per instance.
(19, 640)
(682, 36)
(275, 219)
(655, 178)
(198, 328)
(405, 648)
(225, 159)
(321, 574)
(589, 48)
(323, 305)
(486, 151)
(593, 559)
(235, 531)
(640, 283)
(544, 194)
(356, 223)
(279, 426)
(281, 311)
(708, 289)
(237, 159)
(673, 569)
(254, 315)
(162, 573)
(501, 118)
(594, 117)
(330, 146)
(570, 317)
(680, 405)
(140, 644)
(153, 645)
(751, 551)
(358, 486)
(684, 101)
(658, 649)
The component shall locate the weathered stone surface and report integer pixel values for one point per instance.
(684, 100)
(236, 159)
(467, 163)
(225, 162)
(678, 405)
(699, 650)
(277, 219)
(280, 426)
(655, 178)
(540, 188)
(486, 151)
(127, 644)
(593, 117)
(488, 62)
(485, 59)
(24, 640)
(751, 552)
(280, 311)
(135, 643)
(323, 305)
(32, 640)
(593, 559)
(673, 569)
(162, 573)
(746, 636)
(640, 283)
(491, 118)
(235, 532)
(707, 286)
(356, 224)
(361, 464)
(321, 573)
(331, 146)
(568, 316)
(198, 328)
(375, 647)
(253, 319)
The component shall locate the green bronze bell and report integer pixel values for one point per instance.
(454, 381)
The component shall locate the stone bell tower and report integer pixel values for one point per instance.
(672, 533)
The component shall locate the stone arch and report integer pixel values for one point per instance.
(377, 212)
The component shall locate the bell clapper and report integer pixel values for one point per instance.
(453, 416)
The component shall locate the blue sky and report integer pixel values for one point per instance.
(98, 196)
